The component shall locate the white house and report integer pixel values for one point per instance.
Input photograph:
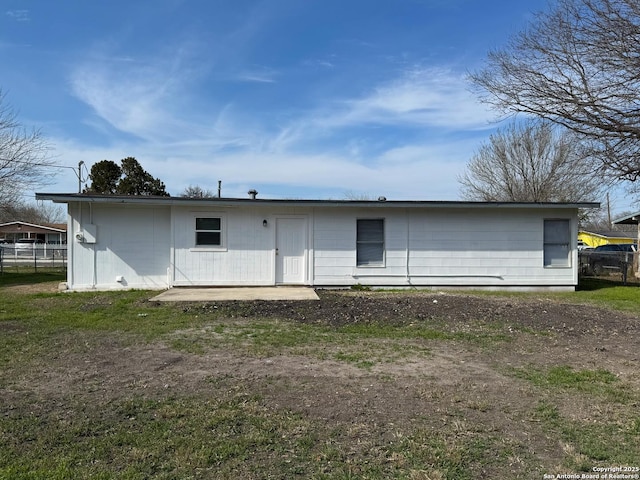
(53, 233)
(149, 242)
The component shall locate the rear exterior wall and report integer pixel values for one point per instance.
(458, 248)
(245, 258)
(152, 247)
(120, 247)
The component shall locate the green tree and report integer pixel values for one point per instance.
(137, 181)
(107, 177)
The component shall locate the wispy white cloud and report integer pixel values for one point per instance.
(424, 173)
(257, 74)
(140, 98)
(320, 62)
(404, 172)
(417, 99)
(199, 146)
(18, 15)
(128, 101)
(433, 97)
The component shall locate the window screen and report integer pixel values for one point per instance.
(208, 231)
(557, 243)
(370, 242)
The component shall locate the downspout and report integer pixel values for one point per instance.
(93, 247)
(70, 246)
(408, 249)
(171, 269)
(637, 255)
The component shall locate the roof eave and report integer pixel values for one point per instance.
(34, 225)
(628, 220)
(153, 200)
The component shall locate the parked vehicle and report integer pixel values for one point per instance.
(583, 247)
(611, 257)
(27, 245)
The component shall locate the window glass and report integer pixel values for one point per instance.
(208, 231)
(207, 238)
(557, 243)
(207, 224)
(370, 242)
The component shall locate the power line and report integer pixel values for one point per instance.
(77, 170)
(35, 164)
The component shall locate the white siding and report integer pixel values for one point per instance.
(335, 243)
(447, 247)
(247, 256)
(154, 247)
(132, 245)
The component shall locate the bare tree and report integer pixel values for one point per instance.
(357, 196)
(530, 162)
(196, 191)
(601, 222)
(24, 156)
(577, 65)
(40, 213)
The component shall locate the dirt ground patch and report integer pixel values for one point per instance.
(44, 287)
(454, 384)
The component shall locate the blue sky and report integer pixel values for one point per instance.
(295, 98)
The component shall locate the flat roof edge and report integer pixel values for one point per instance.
(632, 219)
(154, 200)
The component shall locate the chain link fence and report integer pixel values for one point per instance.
(32, 257)
(617, 266)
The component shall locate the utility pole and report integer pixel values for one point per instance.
(80, 163)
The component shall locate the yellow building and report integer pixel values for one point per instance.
(594, 239)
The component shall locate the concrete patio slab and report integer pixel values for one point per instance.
(209, 294)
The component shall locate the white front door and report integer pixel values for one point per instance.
(291, 247)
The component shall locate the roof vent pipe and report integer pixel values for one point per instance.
(253, 193)
(219, 188)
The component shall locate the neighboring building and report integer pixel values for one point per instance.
(595, 239)
(52, 233)
(162, 242)
(632, 220)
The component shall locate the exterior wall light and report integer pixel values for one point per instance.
(265, 223)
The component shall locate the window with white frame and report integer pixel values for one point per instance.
(557, 243)
(208, 231)
(370, 242)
